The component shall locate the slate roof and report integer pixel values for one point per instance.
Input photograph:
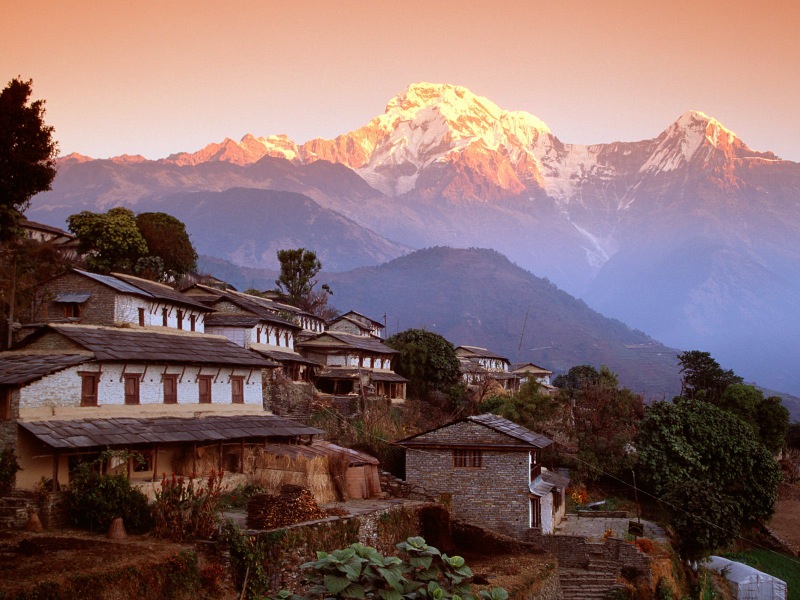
(19, 368)
(93, 433)
(161, 291)
(357, 323)
(358, 315)
(387, 376)
(257, 308)
(121, 344)
(360, 342)
(535, 368)
(478, 352)
(509, 428)
(284, 356)
(231, 320)
(78, 298)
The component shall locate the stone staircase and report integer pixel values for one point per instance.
(596, 582)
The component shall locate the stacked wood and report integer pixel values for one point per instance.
(294, 504)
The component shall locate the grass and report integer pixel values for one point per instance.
(781, 566)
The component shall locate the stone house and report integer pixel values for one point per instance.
(75, 390)
(492, 469)
(357, 324)
(479, 365)
(352, 364)
(83, 297)
(65, 242)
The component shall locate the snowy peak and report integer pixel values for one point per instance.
(249, 150)
(696, 136)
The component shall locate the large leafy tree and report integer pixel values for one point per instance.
(603, 420)
(703, 378)
(426, 359)
(27, 154)
(767, 416)
(110, 241)
(709, 467)
(167, 239)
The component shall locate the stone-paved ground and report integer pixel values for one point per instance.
(594, 528)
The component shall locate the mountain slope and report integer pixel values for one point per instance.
(478, 297)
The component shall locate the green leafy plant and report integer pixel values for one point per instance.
(95, 499)
(360, 571)
(8, 469)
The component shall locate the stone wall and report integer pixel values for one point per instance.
(99, 309)
(494, 495)
(288, 398)
(8, 427)
(575, 552)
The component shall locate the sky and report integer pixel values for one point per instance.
(159, 77)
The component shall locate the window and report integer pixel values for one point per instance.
(141, 317)
(164, 316)
(192, 322)
(237, 390)
(72, 309)
(89, 382)
(180, 319)
(132, 388)
(556, 500)
(536, 512)
(467, 459)
(204, 387)
(170, 388)
(5, 404)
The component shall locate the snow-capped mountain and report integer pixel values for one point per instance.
(690, 235)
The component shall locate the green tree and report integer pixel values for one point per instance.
(603, 420)
(691, 444)
(299, 267)
(166, 238)
(27, 154)
(528, 407)
(767, 416)
(110, 241)
(703, 378)
(427, 360)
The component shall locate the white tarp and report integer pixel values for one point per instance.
(748, 583)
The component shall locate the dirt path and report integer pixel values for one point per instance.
(785, 523)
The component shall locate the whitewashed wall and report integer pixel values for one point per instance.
(126, 310)
(63, 389)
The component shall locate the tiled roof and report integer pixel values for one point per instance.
(161, 291)
(231, 320)
(93, 433)
(19, 368)
(119, 344)
(387, 376)
(509, 428)
(339, 339)
(512, 429)
(284, 356)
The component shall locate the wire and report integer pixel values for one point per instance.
(598, 469)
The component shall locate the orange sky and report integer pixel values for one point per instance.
(156, 77)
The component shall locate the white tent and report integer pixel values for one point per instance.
(748, 583)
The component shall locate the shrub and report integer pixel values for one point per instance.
(94, 500)
(8, 469)
(184, 510)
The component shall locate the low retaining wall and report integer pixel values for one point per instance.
(575, 552)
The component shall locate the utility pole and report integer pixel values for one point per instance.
(10, 335)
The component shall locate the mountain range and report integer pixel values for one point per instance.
(689, 236)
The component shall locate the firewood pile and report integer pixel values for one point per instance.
(294, 504)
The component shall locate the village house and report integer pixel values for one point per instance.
(357, 324)
(71, 391)
(80, 296)
(479, 366)
(354, 364)
(526, 372)
(65, 242)
(492, 469)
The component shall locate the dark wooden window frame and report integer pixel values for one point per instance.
(89, 379)
(5, 403)
(467, 459)
(165, 316)
(141, 317)
(170, 398)
(192, 322)
(132, 381)
(237, 396)
(205, 398)
(536, 511)
(180, 319)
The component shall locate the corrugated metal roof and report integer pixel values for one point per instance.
(93, 433)
(120, 344)
(20, 368)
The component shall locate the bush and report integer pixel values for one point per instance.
(94, 500)
(8, 469)
(186, 511)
